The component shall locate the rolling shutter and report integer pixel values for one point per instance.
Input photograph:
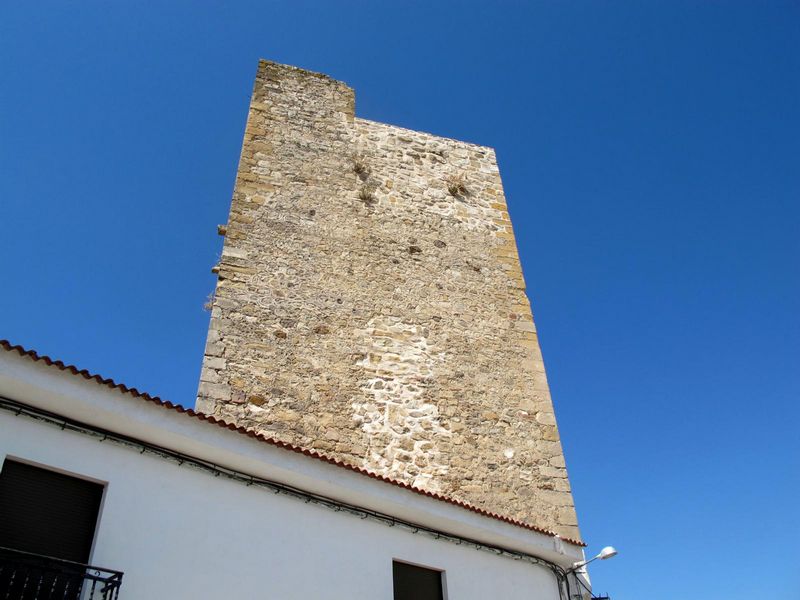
(416, 583)
(46, 512)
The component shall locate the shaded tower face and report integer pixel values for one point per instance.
(371, 306)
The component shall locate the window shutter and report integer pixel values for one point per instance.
(416, 583)
(46, 512)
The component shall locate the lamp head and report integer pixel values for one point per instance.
(607, 552)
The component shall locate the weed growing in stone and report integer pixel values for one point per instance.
(457, 186)
(360, 166)
(367, 194)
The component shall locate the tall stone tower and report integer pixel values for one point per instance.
(371, 306)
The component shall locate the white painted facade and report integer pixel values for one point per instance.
(180, 532)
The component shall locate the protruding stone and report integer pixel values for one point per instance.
(214, 391)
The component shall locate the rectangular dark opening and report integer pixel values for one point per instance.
(47, 513)
(416, 583)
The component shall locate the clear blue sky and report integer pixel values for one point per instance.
(651, 157)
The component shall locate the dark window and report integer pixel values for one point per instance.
(46, 512)
(416, 583)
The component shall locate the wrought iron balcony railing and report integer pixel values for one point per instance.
(26, 576)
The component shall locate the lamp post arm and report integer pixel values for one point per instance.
(581, 564)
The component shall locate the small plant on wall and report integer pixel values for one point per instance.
(360, 166)
(209, 303)
(456, 186)
(367, 194)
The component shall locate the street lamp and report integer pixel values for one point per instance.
(604, 554)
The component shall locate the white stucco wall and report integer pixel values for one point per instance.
(177, 532)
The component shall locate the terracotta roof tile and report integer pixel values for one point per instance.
(6, 345)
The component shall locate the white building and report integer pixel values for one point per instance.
(189, 507)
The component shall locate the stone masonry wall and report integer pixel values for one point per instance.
(370, 305)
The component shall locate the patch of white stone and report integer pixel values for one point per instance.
(399, 424)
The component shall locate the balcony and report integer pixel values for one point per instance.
(26, 576)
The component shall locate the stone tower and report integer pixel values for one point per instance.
(370, 305)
